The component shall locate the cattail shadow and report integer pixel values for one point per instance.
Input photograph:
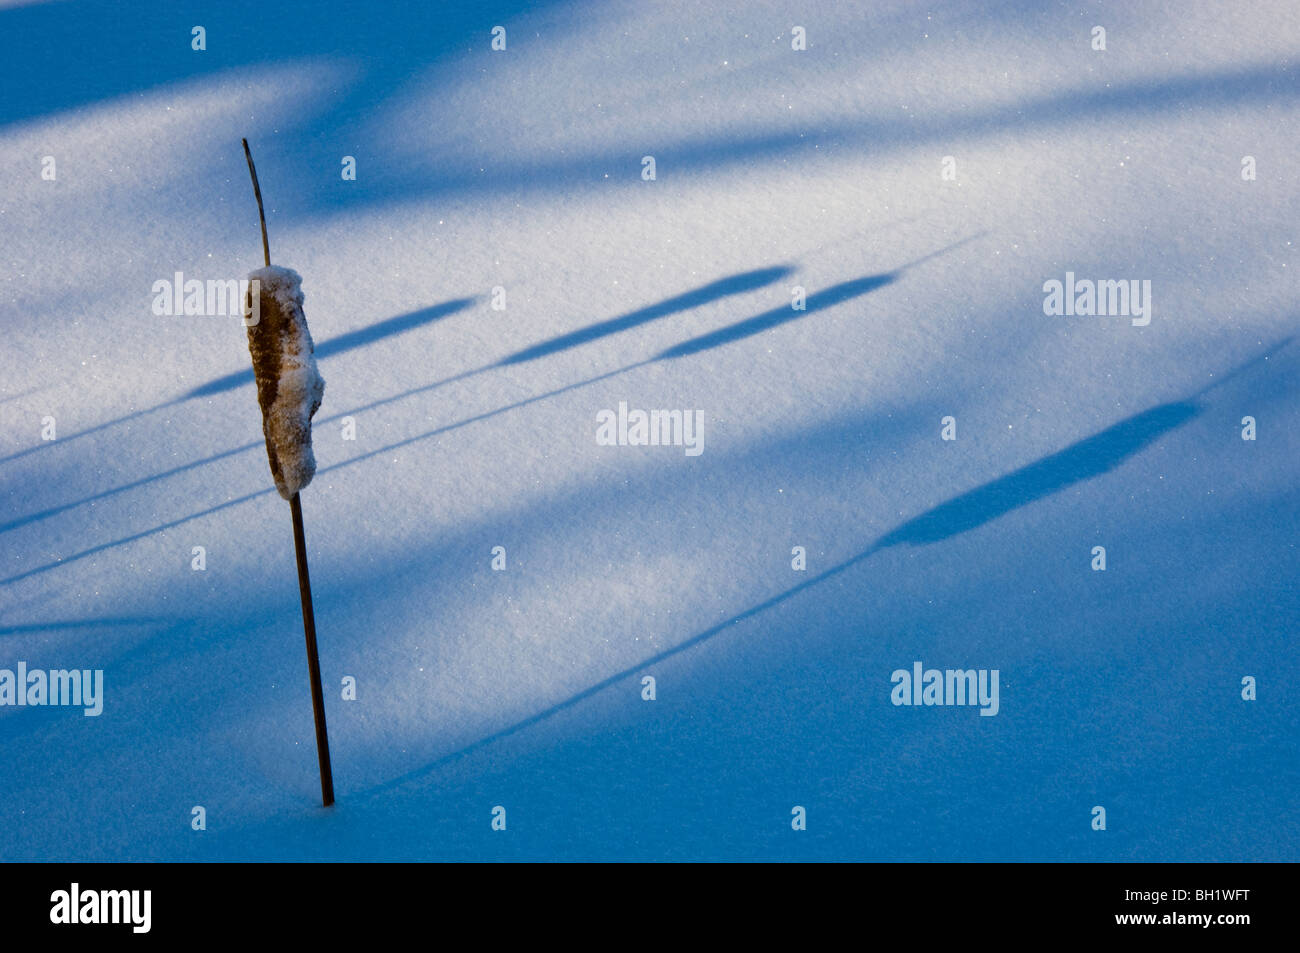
(69, 624)
(724, 287)
(335, 345)
(21, 394)
(705, 294)
(836, 294)
(1081, 461)
(341, 343)
(826, 298)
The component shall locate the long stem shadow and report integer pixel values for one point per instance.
(64, 624)
(826, 298)
(705, 294)
(834, 295)
(21, 394)
(725, 287)
(1083, 460)
(247, 497)
(104, 494)
(335, 345)
(343, 342)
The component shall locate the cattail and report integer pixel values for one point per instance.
(289, 387)
(289, 390)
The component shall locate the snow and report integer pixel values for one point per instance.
(475, 428)
(289, 387)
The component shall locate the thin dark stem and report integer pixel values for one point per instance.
(313, 660)
(257, 190)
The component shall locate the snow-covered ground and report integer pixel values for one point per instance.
(479, 170)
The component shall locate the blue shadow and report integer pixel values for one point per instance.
(335, 345)
(836, 294)
(826, 298)
(344, 342)
(395, 43)
(107, 49)
(723, 287)
(713, 291)
(64, 625)
(1084, 460)
(705, 294)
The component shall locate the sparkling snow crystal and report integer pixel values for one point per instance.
(289, 388)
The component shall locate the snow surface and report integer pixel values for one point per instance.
(521, 170)
(289, 387)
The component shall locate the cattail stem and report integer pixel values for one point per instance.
(313, 660)
(257, 190)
